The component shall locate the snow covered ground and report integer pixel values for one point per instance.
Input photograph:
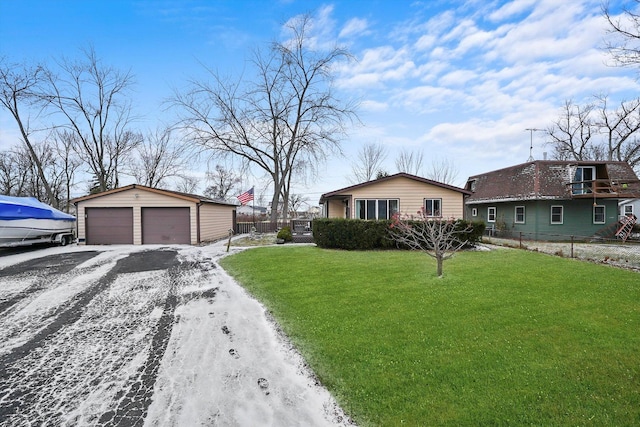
(145, 335)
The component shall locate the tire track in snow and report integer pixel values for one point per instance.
(134, 403)
(13, 396)
(43, 269)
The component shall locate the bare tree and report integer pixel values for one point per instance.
(571, 134)
(12, 176)
(368, 163)
(598, 132)
(187, 184)
(92, 100)
(224, 181)
(68, 163)
(295, 202)
(624, 41)
(437, 238)
(19, 88)
(157, 158)
(619, 128)
(410, 161)
(443, 170)
(287, 115)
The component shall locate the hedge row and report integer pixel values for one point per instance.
(358, 234)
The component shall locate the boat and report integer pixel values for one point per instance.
(26, 220)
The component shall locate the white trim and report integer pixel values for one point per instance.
(515, 215)
(561, 215)
(604, 214)
(495, 214)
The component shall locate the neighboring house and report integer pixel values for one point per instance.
(251, 210)
(399, 193)
(136, 214)
(628, 207)
(552, 200)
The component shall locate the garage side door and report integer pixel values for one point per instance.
(109, 226)
(166, 226)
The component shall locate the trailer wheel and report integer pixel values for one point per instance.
(64, 240)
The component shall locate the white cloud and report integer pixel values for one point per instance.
(354, 27)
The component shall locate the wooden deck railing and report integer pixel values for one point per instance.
(604, 188)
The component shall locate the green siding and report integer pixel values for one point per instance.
(577, 217)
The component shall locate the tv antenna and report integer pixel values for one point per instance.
(532, 130)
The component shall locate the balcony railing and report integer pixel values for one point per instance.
(605, 188)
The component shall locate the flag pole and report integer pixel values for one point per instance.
(253, 206)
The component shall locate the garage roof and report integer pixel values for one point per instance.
(185, 196)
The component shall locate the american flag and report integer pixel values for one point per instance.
(246, 197)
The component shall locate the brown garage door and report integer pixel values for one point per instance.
(166, 225)
(109, 226)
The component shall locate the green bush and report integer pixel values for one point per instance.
(358, 234)
(285, 234)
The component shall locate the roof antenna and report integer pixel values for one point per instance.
(531, 130)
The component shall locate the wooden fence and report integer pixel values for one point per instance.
(300, 228)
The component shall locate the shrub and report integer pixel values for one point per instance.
(285, 234)
(358, 234)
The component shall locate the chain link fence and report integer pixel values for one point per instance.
(601, 250)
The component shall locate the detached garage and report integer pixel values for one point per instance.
(136, 214)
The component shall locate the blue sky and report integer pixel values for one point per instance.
(461, 80)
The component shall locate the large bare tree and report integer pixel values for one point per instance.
(92, 100)
(283, 116)
(19, 92)
(597, 131)
(368, 163)
(623, 42)
(619, 128)
(570, 135)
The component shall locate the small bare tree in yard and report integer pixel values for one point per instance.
(437, 237)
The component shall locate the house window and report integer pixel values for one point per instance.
(583, 179)
(376, 208)
(491, 214)
(519, 215)
(557, 213)
(628, 210)
(474, 211)
(599, 214)
(433, 207)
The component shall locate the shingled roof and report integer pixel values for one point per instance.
(539, 180)
(347, 190)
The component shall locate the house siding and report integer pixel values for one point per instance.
(215, 221)
(336, 209)
(411, 195)
(577, 218)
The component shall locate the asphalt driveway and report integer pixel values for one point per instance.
(138, 336)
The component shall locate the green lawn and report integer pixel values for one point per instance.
(507, 337)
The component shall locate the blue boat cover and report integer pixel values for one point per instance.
(12, 208)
